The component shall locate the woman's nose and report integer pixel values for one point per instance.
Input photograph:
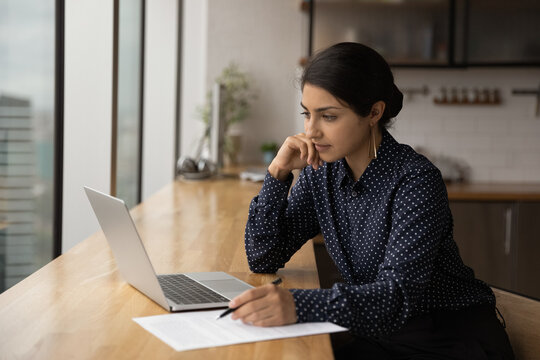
(311, 129)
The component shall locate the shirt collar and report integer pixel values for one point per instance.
(384, 156)
(343, 173)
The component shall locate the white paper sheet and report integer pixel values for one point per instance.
(200, 329)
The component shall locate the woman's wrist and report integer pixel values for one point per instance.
(277, 172)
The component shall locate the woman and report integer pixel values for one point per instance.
(383, 212)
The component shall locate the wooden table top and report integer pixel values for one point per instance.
(78, 306)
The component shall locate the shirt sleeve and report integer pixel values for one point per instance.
(419, 216)
(278, 226)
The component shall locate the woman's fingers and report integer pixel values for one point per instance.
(267, 305)
(297, 152)
(303, 147)
(308, 147)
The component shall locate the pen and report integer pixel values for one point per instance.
(276, 281)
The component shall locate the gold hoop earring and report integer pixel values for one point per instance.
(372, 144)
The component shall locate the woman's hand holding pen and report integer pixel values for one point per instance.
(267, 305)
(297, 152)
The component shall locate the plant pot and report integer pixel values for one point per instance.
(268, 156)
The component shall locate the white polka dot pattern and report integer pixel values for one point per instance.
(389, 234)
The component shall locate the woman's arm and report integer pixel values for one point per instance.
(278, 226)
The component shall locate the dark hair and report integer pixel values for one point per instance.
(356, 75)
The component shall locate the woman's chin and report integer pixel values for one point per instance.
(327, 158)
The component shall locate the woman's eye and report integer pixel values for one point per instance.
(329, 117)
(305, 114)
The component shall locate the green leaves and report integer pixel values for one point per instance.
(236, 97)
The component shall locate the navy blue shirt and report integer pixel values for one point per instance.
(389, 234)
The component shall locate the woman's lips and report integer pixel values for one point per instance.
(322, 148)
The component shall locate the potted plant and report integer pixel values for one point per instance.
(269, 150)
(237, 96)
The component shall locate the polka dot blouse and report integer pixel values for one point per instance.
(389, 234)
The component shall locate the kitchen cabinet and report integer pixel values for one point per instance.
(482, 232)
(502, 32)
(408, 33)
(433, 33)
(499, 241)
(528, 250)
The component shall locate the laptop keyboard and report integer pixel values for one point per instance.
(183, 290)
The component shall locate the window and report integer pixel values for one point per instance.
(127, 120)
(28, 137)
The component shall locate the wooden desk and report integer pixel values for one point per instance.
(78, 306)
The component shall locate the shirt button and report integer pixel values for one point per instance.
(354, 193)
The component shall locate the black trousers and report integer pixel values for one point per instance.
(473, 333)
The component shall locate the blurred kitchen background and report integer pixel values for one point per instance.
(496, 141)
(470, 72)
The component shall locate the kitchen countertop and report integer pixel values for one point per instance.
(467, 191)
(493, 191)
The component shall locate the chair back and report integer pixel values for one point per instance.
(522, 317)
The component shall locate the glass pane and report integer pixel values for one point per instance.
(27, 83)
(503, 31)
(129, 90)
(403, 32)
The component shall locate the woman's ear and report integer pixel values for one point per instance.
(377, 110)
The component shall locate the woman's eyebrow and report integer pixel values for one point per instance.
(321, 109)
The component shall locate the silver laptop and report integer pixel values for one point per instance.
(174, 292)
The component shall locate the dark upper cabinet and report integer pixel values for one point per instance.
(403, 32)
(434, 33)
(503, 32)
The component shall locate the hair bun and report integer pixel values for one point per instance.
(395, 103)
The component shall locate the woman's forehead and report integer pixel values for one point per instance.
(317, 97)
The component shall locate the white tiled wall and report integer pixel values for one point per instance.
(499, 143)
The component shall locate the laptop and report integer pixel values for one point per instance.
(174, 292)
